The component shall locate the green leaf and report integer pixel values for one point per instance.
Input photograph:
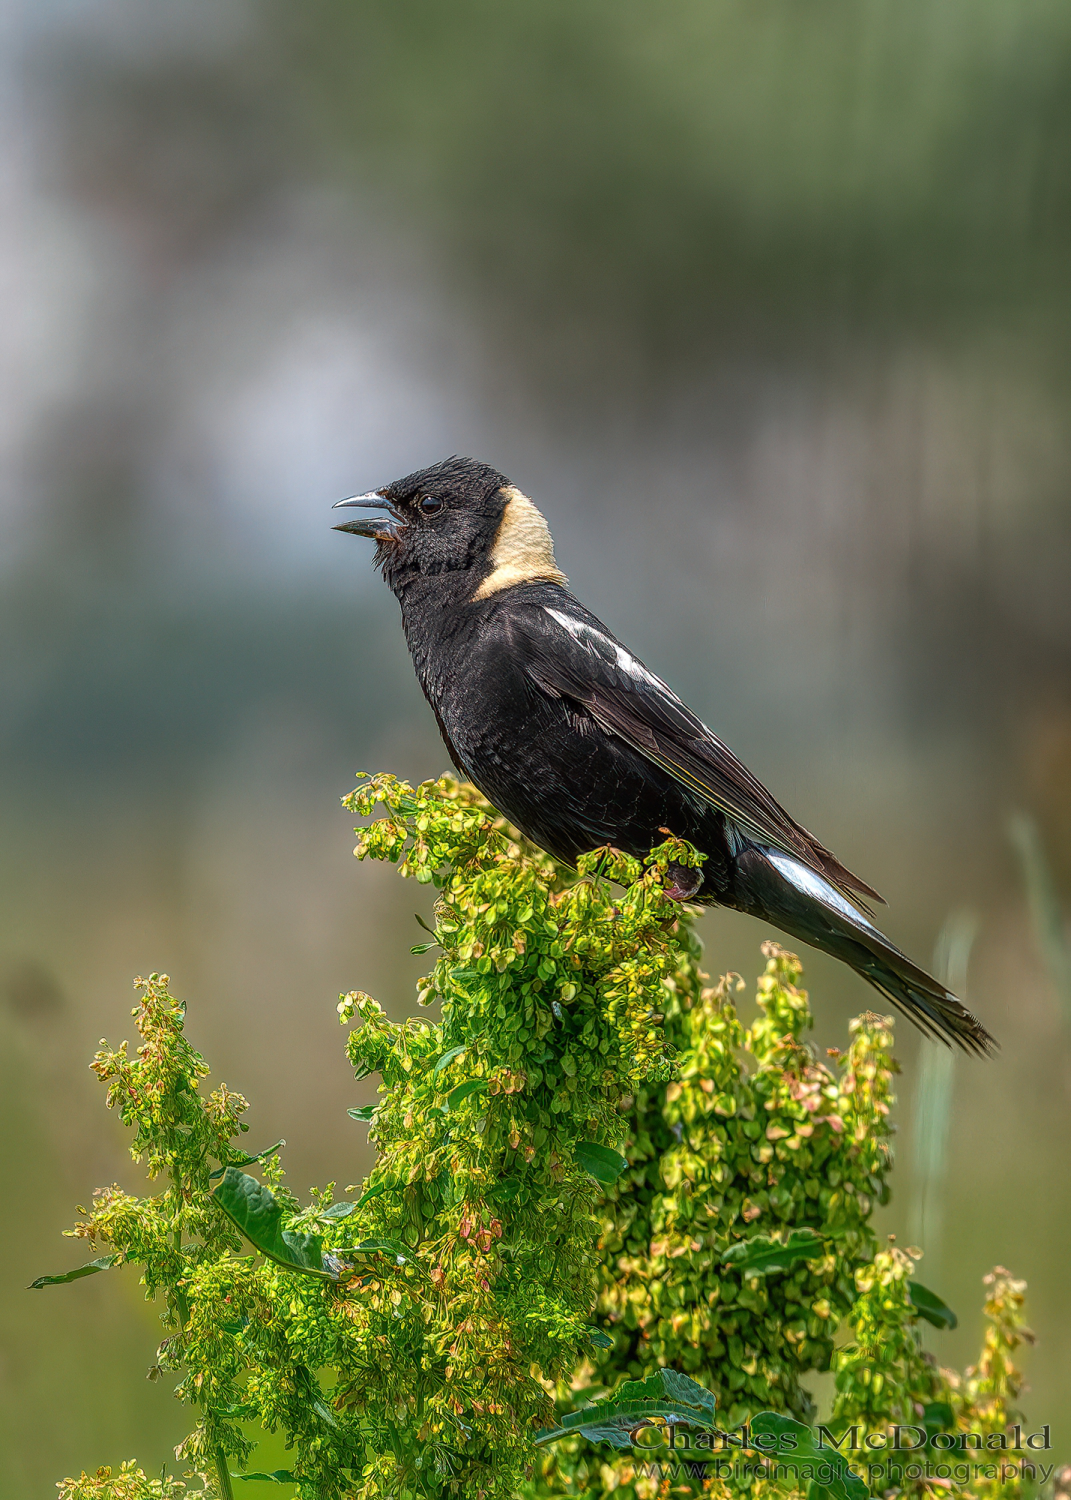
(938, 1416)
(667, 1394)
(462, 1092)
(447, 1058)
(374, 1192)
(377, 1246)
(277, 1476)
(761, 1255)
(90, 1269)
(929, 1306)
(603, 1164)
(364, 1114)
(255, 1211)
(314, 1396)
(599, 1339)
(796, 1444)
(239, 1411)
(445, 1188)
(421, 948)
(248, 1162)
(339, 1210)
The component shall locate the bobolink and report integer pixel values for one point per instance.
(579, 745)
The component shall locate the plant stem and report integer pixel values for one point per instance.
(223, 1475)
(223, 1472)
(396, 1444)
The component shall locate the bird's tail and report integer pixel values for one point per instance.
(780, 889)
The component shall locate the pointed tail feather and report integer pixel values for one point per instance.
(925, 1001)
(781, 890)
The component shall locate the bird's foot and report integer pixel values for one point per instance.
(683, 882)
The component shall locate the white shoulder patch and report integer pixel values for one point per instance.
(812, 884)
(589, 636)
(523, 551)
(576, 628)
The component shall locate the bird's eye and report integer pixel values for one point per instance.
(429, 505)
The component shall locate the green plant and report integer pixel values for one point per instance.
(599, 1205)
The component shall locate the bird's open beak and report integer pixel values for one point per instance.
(380, 527)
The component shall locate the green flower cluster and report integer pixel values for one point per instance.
(728, 1151)
(752, 1138)
(586, 1170)
(127, 1483)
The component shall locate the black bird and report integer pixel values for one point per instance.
(579, 745)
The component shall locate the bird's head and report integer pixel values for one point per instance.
(459, 528)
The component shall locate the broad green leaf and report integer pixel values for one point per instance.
(248, 1162)
(277, 1476)
(339, 1210)
(254, 1209)
(667, 1394)
(929, 1306)
(685, 1391)
(363, 1114)
(90, 1269)
(761, 1255)
(796, 1444)
(599, 1339)
(447, 1058)
(603, 1164)
(422, 948)
(463, 1090)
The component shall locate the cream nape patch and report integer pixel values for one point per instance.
(523, 550)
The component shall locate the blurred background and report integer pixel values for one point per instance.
(768, 307)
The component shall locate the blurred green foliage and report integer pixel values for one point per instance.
(588, 1133)
(692, 171)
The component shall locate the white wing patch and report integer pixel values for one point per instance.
(587, 635)
(812, 884)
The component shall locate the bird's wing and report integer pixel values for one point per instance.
(569, 654)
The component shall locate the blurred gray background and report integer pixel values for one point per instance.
(767, 305)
